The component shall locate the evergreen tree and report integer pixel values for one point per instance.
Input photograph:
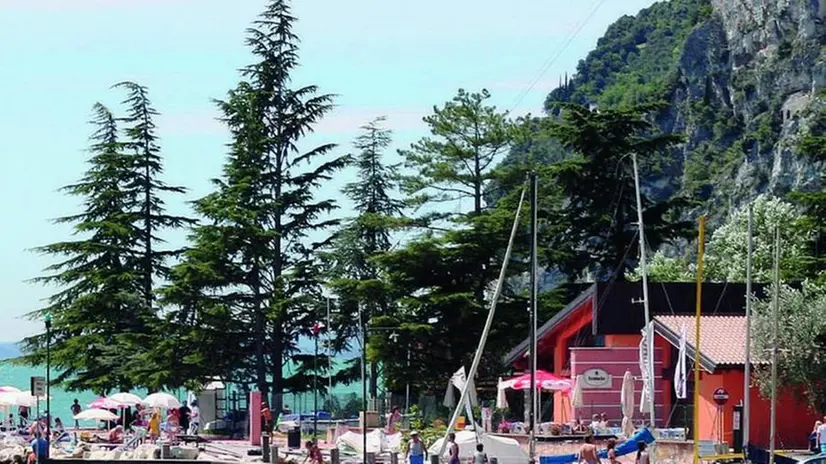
(378, 214)
(147, 166)
(597, 183)
(457, 161)
(98, 305)
(253, 263)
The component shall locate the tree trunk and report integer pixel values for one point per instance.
(260, 359)
(374, 380)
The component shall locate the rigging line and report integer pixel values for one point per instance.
(665, 292)
(720, 299)
(552, 59)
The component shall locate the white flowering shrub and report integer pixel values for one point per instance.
(727, 250)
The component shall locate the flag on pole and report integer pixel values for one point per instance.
(646, 382)
(680, 372)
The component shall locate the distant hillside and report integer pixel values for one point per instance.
(742, 80)
(9, 350)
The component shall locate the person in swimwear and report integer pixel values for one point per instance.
(588, 451)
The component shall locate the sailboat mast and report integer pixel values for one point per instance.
(696, 422)
(643, 267)
(533, 281)
(477, 357)
(775, 310)
(747, 376)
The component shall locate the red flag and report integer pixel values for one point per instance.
(316, 328)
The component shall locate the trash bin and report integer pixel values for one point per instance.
(294, 438)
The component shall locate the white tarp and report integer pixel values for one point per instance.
(350, 443)
(506, 450)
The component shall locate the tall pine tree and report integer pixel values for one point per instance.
(259, 269)
(378, 213)
(99, 288)
(147, 187)
(597, 183)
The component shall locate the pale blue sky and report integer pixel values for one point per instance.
(392, 58)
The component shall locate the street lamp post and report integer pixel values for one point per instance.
(48, 322)
(316, 331)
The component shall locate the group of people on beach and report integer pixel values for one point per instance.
(588, 453)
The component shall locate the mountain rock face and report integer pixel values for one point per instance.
(742, 79)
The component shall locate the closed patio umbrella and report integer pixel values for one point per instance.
(576, 395)
(627, 403)
(501, 398)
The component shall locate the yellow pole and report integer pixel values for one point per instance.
(700, 248)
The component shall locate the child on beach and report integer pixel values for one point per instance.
(479, 457)
(313, 453)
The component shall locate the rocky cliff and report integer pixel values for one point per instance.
(742, 78)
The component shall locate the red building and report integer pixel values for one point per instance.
(598, 335)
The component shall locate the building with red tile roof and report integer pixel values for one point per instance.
(598, 335)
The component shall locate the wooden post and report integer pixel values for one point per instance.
(434, 459)
(274, 454)
(335, 457)
(394, 458)
(494, 460)
(371, 458)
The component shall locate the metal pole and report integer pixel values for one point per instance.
(696, 422)
(747, 376)
(363, 384)
(48, 382)
(533, 280)
(775, 310)
(477, 357)
(407, 385)
(652, 393)
(315, 388)
(329, 354)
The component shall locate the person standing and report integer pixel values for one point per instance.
(40, 448)
(415, 449)
(453, 449)
(183, 416)
(821, 436)
(588, 451)
(480, 457)
(612, 452)
(195, 418)
(642, 454)
(393, 420)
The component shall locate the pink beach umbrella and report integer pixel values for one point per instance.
(544, 380)
(105, 403)
(9, 389)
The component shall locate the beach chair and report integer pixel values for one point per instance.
(135, 440)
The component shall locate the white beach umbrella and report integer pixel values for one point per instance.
(627, 403)
(162, 401)
(501, 398)
(9, 389)
(576, 394)
(24, 398)
(126, 398)
(96, 414)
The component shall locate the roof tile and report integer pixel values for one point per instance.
(722, 338)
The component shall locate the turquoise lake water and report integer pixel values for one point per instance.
(61, 401)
